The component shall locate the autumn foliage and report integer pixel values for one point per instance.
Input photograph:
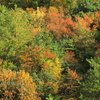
(62, 25)
(49, 51)
(18, 85)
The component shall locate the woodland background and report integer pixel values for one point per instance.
(49, 49)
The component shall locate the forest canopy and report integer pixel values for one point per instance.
(49, 49)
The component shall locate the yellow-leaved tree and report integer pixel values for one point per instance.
(55, 68)
(37, 21)
(17, 86)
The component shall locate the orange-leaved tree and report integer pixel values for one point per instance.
(35, 58)
(70, 57)
(71, 83)
(84, 36)
(58, 24)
